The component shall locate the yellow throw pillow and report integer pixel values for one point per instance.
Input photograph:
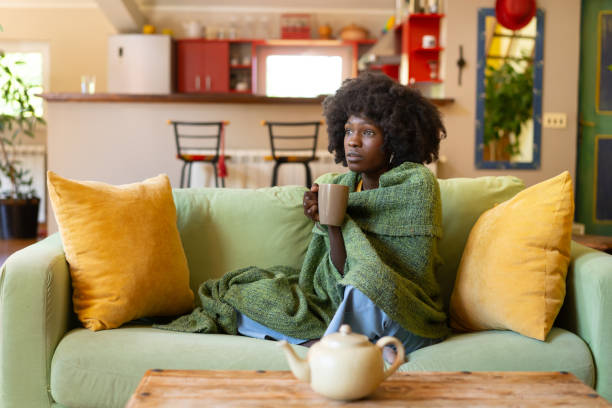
(512, 272)
(124, 250)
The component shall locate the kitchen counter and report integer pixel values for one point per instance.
(233, 97)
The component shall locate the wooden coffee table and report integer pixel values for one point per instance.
(195, 388)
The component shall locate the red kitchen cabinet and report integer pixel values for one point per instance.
(202, 66)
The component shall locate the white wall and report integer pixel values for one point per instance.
(121, 143)
(75, 32)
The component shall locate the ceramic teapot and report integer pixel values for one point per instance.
(344, 365)
(193, 29)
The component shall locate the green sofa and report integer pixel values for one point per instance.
(47, 359)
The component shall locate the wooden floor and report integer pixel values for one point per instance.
(8, 246)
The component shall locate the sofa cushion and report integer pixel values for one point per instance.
(507, 351)
(124, 250)
(103, 369)
(225, 229)
(463, 200)
(513, 268)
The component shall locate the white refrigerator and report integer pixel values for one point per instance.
(140, 64)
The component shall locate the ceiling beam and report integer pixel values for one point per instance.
(124, 15)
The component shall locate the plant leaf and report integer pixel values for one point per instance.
(508, 102)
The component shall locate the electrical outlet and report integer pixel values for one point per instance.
(554, 120)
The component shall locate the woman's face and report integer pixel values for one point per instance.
(363, 146)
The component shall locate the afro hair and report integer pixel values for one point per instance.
(411, 124)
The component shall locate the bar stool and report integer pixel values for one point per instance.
(194, 147)
(292, 142)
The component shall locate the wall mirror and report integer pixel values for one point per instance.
(509, 93)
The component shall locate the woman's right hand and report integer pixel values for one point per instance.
(311, 203)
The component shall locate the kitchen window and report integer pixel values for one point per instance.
(302, 71)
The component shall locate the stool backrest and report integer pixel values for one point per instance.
(198, 138)
(293, 138)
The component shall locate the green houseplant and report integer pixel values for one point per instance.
(508, 105)
(19, 202)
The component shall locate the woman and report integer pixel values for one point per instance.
(377, 271)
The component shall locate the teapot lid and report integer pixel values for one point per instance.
(345, 338)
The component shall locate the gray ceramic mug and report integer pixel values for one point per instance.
(333, 199)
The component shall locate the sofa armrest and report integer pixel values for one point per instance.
(587, 309)
(35, 312)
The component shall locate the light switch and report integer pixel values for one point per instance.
(554, 120)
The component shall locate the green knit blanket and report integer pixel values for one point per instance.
(390, 234)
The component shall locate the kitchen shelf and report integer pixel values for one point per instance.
(424, 16)
(316, 42)
(423, 50)
(229, 97)
(366, 41)
(241, 71)
(429, 81)
(244, 40)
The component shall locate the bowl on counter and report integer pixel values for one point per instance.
(353, 32)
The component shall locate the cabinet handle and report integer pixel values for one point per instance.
(208, 82)
(197, 82)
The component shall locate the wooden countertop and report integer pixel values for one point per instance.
(234, 97)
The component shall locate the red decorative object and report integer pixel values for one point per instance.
(221, 164)
(514, 14)
(295, 26)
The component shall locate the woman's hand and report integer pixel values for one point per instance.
(311, 203)
(336, 241)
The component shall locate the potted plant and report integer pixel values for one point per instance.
(19, 202)
(508, 105)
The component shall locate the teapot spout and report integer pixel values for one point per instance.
(299, 366)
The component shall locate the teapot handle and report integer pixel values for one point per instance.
(399, 357)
